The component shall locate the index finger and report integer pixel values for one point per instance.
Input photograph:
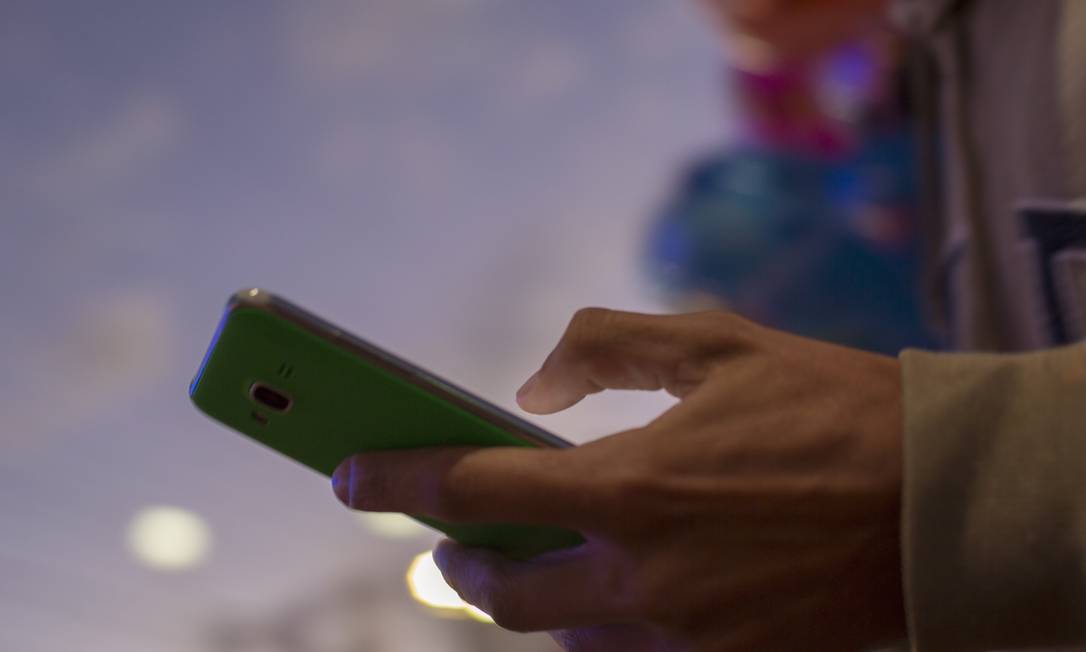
(480, 485)
(609, 349)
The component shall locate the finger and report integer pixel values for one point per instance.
(556, 591)
(481, 485)
(607, 349)
(607, 638)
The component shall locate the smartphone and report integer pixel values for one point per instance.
(317, 394)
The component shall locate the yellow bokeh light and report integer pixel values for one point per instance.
(169, 538)
(475, 613)
(426, 585)
(391, 525)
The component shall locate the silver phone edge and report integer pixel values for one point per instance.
(260, 299)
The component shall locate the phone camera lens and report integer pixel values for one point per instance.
(270, 398)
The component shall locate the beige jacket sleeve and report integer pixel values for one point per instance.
(994, 517)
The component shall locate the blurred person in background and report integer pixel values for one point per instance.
(806, 220)
(809, 496)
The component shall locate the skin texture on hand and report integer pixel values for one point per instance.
(759, 513)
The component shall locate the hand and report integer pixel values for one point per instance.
(759, 513)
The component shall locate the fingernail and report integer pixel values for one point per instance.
(441, 553)
(528, 385)
(341, 482)
(440, 558)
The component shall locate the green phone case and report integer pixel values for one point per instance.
(349, 396)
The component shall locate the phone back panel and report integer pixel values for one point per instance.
(344, 404)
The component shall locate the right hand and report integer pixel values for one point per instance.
(761, 513)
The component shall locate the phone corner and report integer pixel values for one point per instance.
(252, 297)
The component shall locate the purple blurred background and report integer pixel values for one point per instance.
(449, 178)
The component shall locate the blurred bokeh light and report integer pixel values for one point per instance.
(426, 584)
(392, 526)
(169, 538)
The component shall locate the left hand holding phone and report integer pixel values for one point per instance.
(759, 513)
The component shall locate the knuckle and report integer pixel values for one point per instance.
(455, 493)
(648, 494)
(588, 328)
(589, 315)
(723, 331)
(640, 487)
(369, 485)
(718, 324)
(720, 317)
(447, 502)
